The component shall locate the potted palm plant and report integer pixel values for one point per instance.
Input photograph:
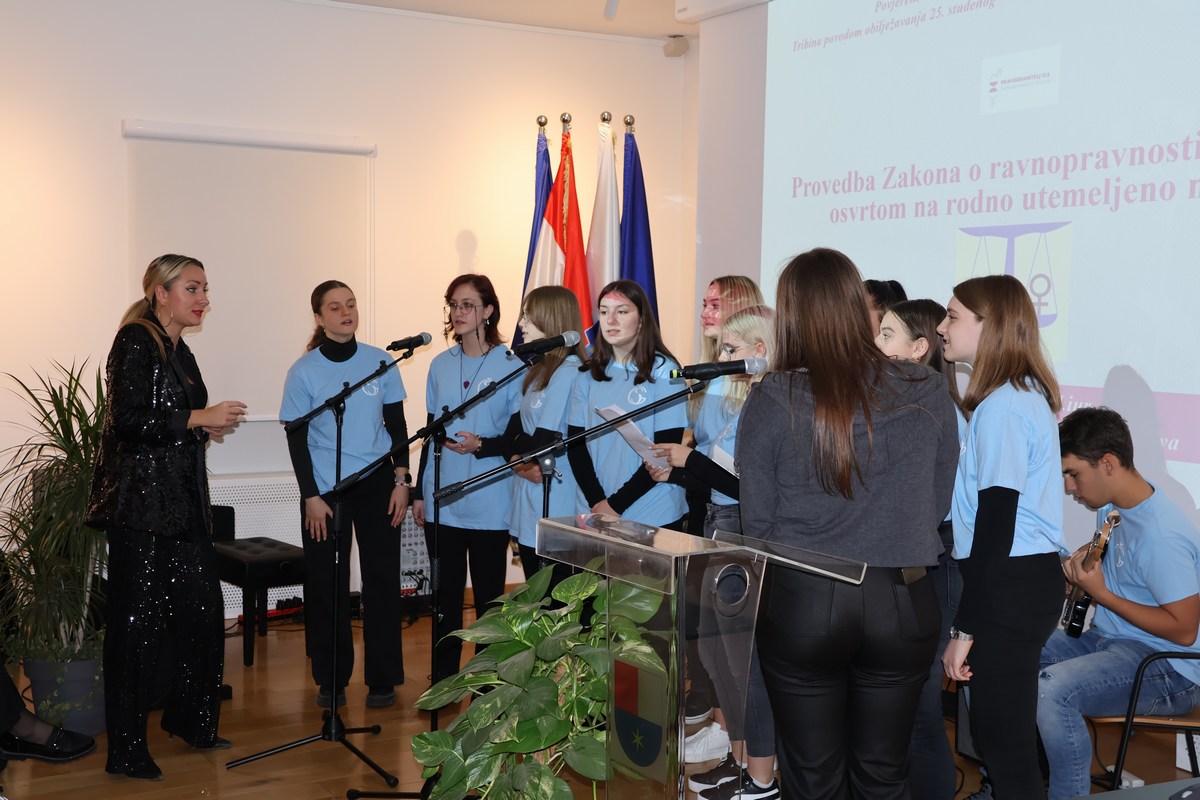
(50, 614)
(539, 691)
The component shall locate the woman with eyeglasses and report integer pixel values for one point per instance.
(472, 531)
(630, 367)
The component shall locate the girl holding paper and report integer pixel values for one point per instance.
(630, 368)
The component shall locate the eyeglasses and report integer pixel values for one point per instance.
(466, 308)
(729, 349)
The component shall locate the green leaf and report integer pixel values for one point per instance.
(533, 590)
(432, 748)
(558, 643)
(483, 766)
(639, 654)
(538, 697)
(576, 588)
(491, 627)
(450, 690)
(536, 734)
(533, 779)
(517, 669)
(487, 708)
(587, 755)
(635, 602)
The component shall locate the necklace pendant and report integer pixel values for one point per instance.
(466, 384)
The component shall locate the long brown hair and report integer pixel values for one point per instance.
(1010, 346)
(487, 296)
(162, 271)
(553, 310)
(649, 344)
(316, 300)
(822, 326)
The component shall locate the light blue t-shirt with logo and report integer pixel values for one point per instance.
(312, 380)
(615, 461)
(453, 378)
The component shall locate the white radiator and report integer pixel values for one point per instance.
(268, 504)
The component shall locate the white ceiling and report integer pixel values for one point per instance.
(645, 18)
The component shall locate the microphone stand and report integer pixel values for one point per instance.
(435, 431)
(333, 729)
(545, 456)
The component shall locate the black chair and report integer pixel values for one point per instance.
(256, 563)
(1188, 724)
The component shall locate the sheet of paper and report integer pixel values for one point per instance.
(633, 437)
(722, 458)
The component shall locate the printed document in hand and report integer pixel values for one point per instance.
(634, 437)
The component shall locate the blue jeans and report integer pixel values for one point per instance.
(931, 770)
(1093, 676)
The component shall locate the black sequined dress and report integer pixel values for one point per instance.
(150, 495)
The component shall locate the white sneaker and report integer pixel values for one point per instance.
(706, 744)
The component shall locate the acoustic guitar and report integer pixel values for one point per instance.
(1078, 601)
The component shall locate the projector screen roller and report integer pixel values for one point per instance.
(1056, 142)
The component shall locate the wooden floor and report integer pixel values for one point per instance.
(274, 703)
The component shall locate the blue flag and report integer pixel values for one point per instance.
(637, 254)
(542, 183)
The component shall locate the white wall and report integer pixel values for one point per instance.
(450, 104)
(732, 86)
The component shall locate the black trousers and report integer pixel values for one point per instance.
(163, 596)
(487, 554)
(363, 512)
(1005, 665)
(844, 666)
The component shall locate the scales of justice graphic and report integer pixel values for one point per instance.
(1033, 251)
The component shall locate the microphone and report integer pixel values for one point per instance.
(564, 339)
(706, 372)
(411, 342)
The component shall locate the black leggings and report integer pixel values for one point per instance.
(1004, 663)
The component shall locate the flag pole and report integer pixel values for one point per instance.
(541, 123)
(566, 121)
(629, 123)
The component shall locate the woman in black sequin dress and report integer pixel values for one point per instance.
(150, 496)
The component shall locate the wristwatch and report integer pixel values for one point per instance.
(955, 633)
(404, 480)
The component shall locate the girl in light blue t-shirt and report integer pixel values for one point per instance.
(472, 524)
(630, 367)
(1007, 514)
(545, 399)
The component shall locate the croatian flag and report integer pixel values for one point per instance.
(559, 257)
(637, 254)
(604, 234)
(541, 193)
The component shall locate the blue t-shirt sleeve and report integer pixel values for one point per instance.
(578, 413)
(393, 386)
(556, 400)
(1002, 449)
(295, 395)
(1169, 570)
